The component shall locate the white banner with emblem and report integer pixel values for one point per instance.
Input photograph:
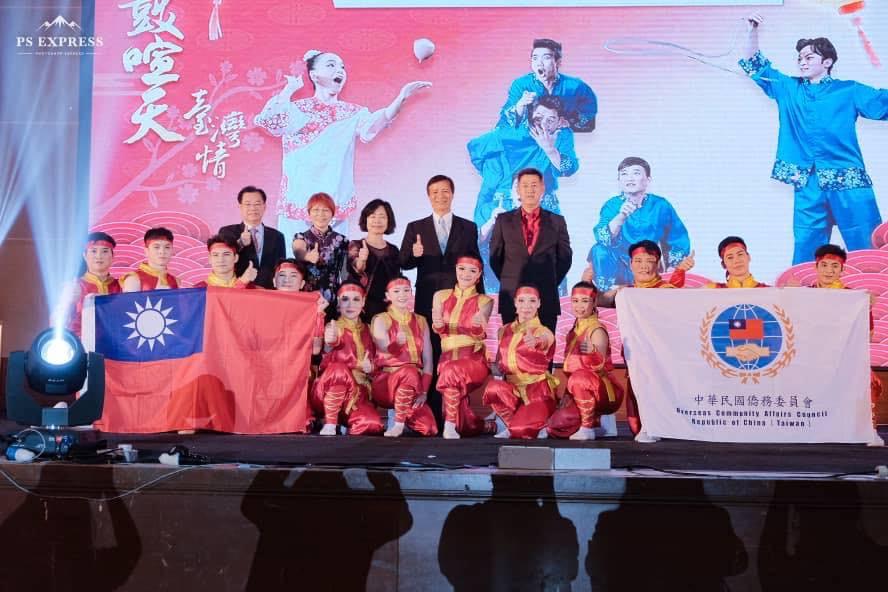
(750, 365)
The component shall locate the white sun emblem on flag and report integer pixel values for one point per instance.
(150, 323)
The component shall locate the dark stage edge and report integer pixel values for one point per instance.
(411, 451)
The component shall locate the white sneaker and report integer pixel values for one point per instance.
(542, 434)
(450, 432)
(584, 434)
(608, 427)
(329, 429)
(645, 438)
(502, 434)
(876, 442)
(396, 430)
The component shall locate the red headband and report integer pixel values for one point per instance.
(831, 257)
(721, 253)
(584, 291)
(345, 288)
(397, 282)
(469, 260)
(215, 246)
(527, 290)
(99, 243)
(644, 250)
(287, 265)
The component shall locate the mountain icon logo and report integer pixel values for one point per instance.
(58, 23)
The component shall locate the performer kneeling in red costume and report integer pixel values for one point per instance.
(460, 317)
(152, 273)
(223, 256)
(343, 386)
(735, 260)
(99, 256)
(591, 390)
(404, 361)
(526, 398)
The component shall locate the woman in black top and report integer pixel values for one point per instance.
(373, 261)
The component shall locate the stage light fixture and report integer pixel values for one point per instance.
(56, 365)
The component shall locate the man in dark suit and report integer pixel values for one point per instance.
(432, 246)
(256, 242)
(530, 245)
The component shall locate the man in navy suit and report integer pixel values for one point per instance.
(530, 245)
(432, 246)
(256, 242)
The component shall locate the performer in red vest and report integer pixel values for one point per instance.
(343, 387)
(735, 260)
(591, 389)
(404, 362)
(99, 256)
(524, 401)
(829, 261)
(223, 256)
(460, 316)
(152, 273)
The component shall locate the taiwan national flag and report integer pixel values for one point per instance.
(747, 329)
(203, 359)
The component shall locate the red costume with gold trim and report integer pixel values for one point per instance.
(86, 284)
(749, 282)
(526, 398)
(591, 390)
(400, 379)
(151, 279)
(463, 364)
(342, 390)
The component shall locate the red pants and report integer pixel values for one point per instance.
(340, 399)
(523, 420)
(456, 379)
(398, 390)
(632, 408)
(590, 398)
(875, 392)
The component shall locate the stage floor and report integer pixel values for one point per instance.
(412, 451)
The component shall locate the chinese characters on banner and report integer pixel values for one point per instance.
(229, 127)
(153, 19)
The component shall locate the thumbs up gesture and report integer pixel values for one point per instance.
(401, 338)
(531, 340)
(588, 273)
(331, 333)
(478, 319)
(246, 238)
(437, 316)
(363, 252)
(322, 303)
(366, 364)
(299, 245)
(249, 274)
(313, 254)
(687, 263)
(417, 247)
(587, 346)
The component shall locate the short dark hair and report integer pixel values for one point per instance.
(822, 47)
(587, 285)
(224, 239)
(372, 206)
(634, 161)
(528, 171)
(649, 246)
(549, 102)
(439, 178)
(101, 236)
(548, 44)
(727, 241)
(159, 232)
(836, 250)
(251, 189)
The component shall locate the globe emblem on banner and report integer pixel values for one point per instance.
(746, 337)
